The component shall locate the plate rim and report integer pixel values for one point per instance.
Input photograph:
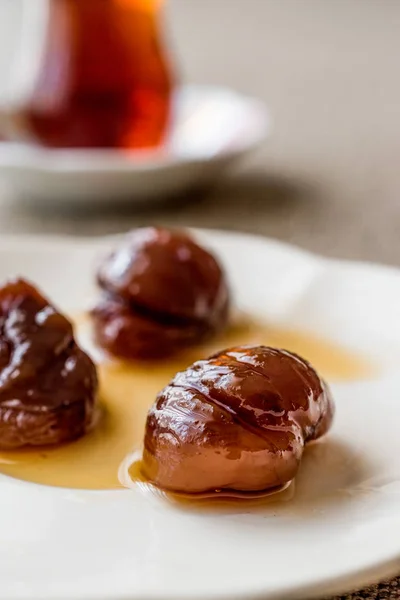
(37, 239)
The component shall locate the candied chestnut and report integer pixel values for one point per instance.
(48, 385)
(160, 292)
(237, 421)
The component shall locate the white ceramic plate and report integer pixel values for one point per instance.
(341, 528)
(211, 127)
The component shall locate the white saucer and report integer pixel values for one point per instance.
(339, 530)
(211, 127)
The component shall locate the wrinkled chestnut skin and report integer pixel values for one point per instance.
(237, 421)
(160, 293)
(48, 385)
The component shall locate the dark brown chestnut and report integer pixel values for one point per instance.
(161, 291)
(236, 421)
(48, 385)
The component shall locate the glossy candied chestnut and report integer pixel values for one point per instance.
(161, 291)
(237, 421)
(48, 385)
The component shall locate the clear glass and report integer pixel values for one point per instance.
(104, 79)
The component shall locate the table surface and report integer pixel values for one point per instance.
(328, 179)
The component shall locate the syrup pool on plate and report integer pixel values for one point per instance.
(128, 390)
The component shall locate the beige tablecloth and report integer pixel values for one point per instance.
(329, 177)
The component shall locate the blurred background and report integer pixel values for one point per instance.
(328, 176)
